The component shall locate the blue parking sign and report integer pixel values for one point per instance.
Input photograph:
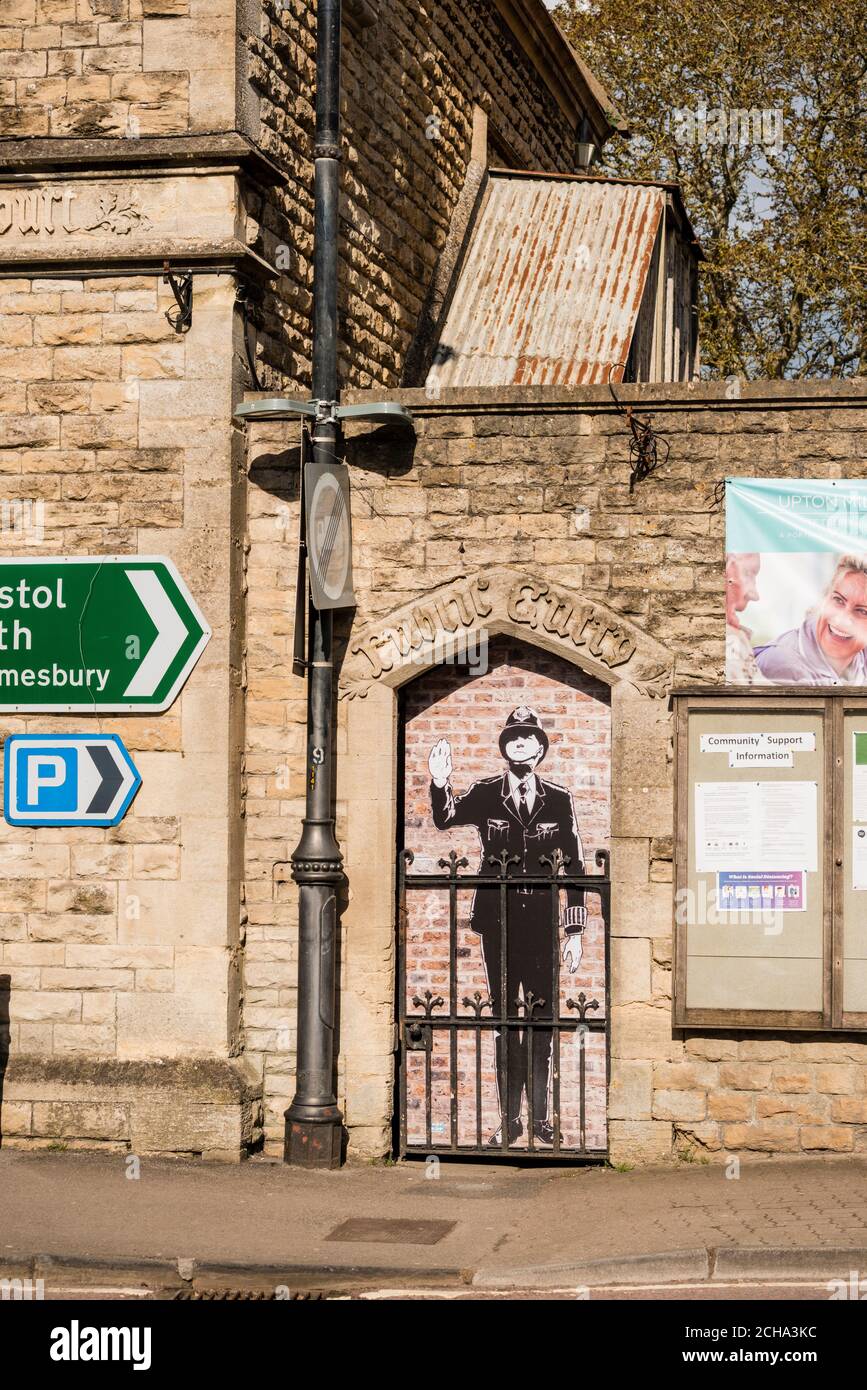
(67, 779)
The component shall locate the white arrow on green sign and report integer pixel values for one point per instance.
(95, 633)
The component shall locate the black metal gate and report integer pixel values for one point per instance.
(443, 1094)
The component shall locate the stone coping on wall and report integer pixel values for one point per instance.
(209, 1105)
(683, 395)
(115, 219)
(172, 151)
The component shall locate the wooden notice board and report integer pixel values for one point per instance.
(851, 740)
(770, 859)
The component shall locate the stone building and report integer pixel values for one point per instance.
(139, 137)
(147, 974)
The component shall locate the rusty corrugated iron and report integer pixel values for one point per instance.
(551, 285)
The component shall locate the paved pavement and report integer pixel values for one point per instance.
(66, 1216)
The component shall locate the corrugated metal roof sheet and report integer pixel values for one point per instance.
(551, 285)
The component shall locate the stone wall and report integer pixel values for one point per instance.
(534, 484)
(122, 944)
(410, 82)
(131, 68)
(140, 70)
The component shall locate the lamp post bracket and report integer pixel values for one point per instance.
(283, 407)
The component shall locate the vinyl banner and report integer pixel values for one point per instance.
(796, 582)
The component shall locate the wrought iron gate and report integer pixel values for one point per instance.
(448, 1083)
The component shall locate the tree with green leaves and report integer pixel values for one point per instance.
(758, 111)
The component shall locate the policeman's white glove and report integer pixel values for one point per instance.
(440, 762)
(573, 949)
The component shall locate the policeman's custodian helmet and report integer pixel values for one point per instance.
(523, 720)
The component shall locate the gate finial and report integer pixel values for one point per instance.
(504, 859)
(453, 863)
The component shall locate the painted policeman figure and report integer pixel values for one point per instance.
(517, 811)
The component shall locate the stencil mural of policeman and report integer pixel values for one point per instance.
(518, 812)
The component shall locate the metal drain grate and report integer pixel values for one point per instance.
(250, 1295)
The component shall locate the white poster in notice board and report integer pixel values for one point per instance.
(753, 825)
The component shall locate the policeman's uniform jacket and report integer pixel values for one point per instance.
(550, 826)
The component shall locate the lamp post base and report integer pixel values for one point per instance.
(313, 1143)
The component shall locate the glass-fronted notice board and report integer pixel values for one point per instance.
(770, 901)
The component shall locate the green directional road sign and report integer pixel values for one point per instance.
(96, 633)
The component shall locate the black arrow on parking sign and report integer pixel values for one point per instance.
(111, 775)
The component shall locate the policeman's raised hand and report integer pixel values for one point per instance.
(440, 762)
(573, 949)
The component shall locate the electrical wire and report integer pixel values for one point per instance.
(646, 449)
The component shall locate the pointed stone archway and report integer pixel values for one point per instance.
(448, 622)
(504, 600)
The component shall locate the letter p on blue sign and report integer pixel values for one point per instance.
(47, 780)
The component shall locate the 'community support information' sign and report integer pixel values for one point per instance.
(796, 582)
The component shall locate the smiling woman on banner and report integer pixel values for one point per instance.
(829, 646)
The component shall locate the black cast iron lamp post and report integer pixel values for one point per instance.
(314, 1124)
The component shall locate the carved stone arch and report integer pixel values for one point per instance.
(390, 651)
(449, 621)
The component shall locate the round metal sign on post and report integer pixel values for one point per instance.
(329, 536)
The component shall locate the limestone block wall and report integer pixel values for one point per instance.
(130, 68)
(140, 69)
(120, 948)
(410, 82)
(535, 484)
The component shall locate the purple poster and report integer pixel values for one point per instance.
(761, 890)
